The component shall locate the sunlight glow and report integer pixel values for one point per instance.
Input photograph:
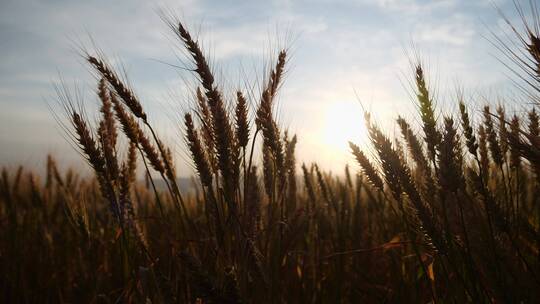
(343, 122)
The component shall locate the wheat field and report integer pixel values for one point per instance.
(448, 211)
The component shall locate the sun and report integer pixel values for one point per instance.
(343, 122)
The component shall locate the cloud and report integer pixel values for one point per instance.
(414, 6)
(456, 31)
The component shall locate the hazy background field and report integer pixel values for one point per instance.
(341, 52)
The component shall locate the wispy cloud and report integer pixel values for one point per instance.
(456, 31)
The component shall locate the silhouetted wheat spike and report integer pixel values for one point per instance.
(417, 153)
(427, 114)
(450, 159)
(170, 168)
(268, 173)
(527, 150)
(483, 152)
(49, 174)
(348, 178)
(265, 121)
(515, 157)
(277, 74)
(503, 131)
(131, 163)
(290, 167)
(18, 175)
(107, 132)
(35, 193)
(106, 111)
(368, 169)
(413, 144)
(135, 134)
(127, 178)
(323, 186)
(151, 153)
(533, 46)
(207, 132)
(88, 145)
(202, 67)
(494, 146)
(7, 195)
(534, 129)
(308, 184)
(515, 160)
(125, 93)
(56, 174)
(388, 159)
(197, 152)
(470, 139)
(128, 123)
(242, 124)
(253, 203)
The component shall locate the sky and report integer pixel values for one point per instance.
(345, 56)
